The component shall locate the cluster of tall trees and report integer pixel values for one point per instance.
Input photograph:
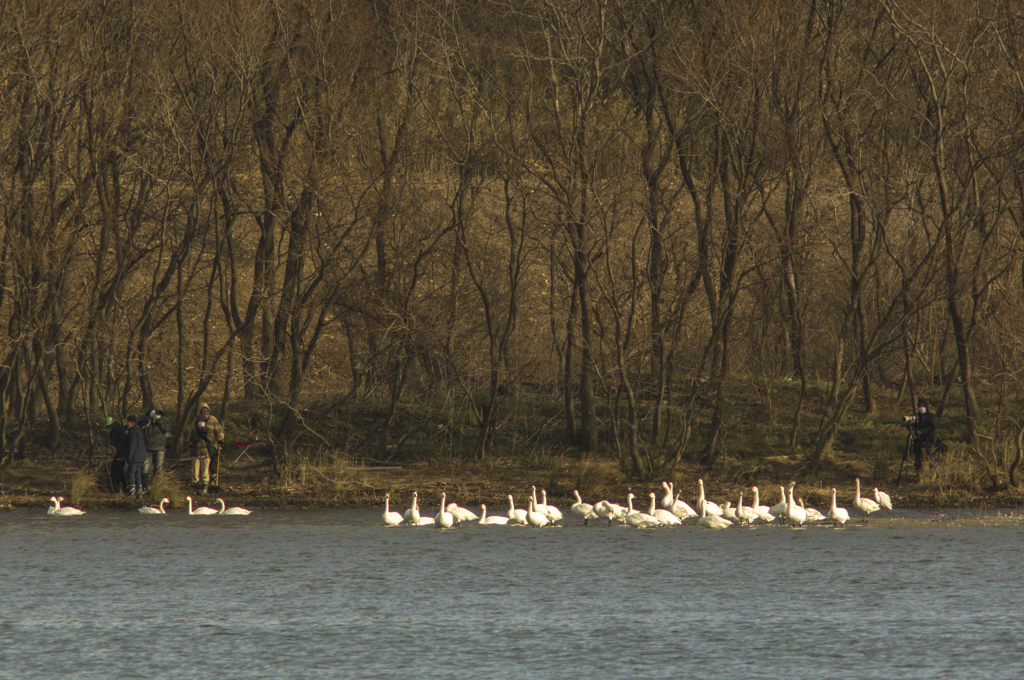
(618, 200)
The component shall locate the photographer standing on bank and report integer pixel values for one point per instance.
(923, 426)
(155, 427)
(204, 439)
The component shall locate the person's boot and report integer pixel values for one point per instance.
(206, 489)
(131, 491)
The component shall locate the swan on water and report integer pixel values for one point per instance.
(535, 517)
(493, 519)
(836, 514)
(444, 519)
(711, 521)
(780, 509)
(585, 511)
(231, 511)
(462, 514)
(148, 510)
(203, 510)
(864, 505)
(390, 517)
(729, 512)
(636, 518)
(609, 511)
(65, 511)
(412, 515)
(662, 515)
(744, 514)
(515, 515)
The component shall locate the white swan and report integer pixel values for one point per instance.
(444, 519)
(462, 514)
(679, 508)
(712, 507)
(662, 515)
(412, 515)
(711, 521)
(779, 510)
(636, 518)
(390, 517)
(609, 511)
(200, 510)
(763, 511)
(535, 517)
(493, 519)
(65, 511)
(585, 511)
(515, 516)
(883, 499)
(836, 514)
(865, 505)
(155, 511)
(744, 514)
(794, 513)
(232, 511)
(729, 512)
(813, 514)
(553, 513)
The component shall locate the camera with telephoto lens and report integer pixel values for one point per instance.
(909, 421)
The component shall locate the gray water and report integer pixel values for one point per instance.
(335, 594)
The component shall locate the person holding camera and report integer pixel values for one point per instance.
(204, 440)
(923, 426)
(155, 427)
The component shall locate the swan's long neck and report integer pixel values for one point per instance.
(757, 498)
(651, 511)
(220, 502)
(577, 495)
(387, 504)
(544, 496)
(834, 506)
(511, 505)
(858, 489)
(700, 484)
(190, 505)
(740, 506)
(629, 502)
(483, 513)
(415, 502)
(533, 495)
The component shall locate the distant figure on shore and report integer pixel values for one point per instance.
(155, 427)
(925, 423)
(118, 436)
(136, 457)
(204, 440)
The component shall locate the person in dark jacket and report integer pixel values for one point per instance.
(136, 458)
(925, 424)
(118, 435)
(155, 428)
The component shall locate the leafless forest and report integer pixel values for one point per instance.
(619, 204)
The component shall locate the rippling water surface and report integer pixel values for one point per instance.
(305, 594)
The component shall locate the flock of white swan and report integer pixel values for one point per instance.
(673, 511)
(539, 513)
(67, 511)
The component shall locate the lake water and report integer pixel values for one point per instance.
(335, 594)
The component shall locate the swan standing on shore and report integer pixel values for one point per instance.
(883, 499)
(836, 514)
(865, 505)
(203, 510)
(148, 510)
(553, 513)
(585, 511)
(794, 513)
(779, 510)
(763, 511)
(680, 509)
(712, 507)
(461, 514)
